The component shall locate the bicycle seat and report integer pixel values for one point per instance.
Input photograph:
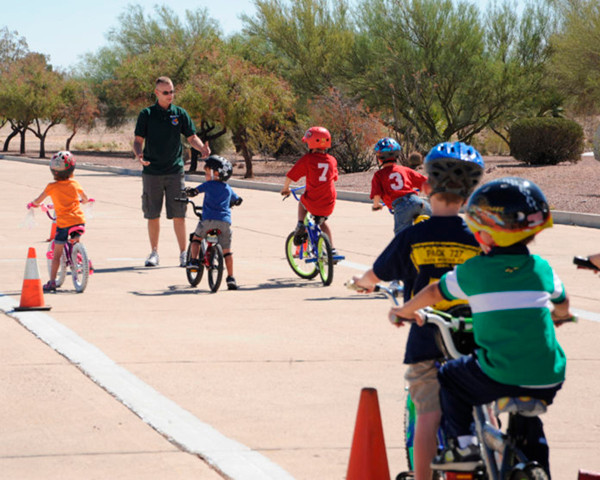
(526, 406)
(76, 231)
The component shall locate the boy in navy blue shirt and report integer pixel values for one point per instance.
(219, 197)
(420, 255)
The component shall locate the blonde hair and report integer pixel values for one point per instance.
(163, 80)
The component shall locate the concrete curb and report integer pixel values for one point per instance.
(562, 218)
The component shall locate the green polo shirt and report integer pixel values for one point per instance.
(162, 130)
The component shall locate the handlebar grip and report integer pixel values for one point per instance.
(181, 199)
(584, 262)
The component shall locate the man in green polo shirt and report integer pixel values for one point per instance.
(158, 148)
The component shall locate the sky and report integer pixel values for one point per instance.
(67, 29)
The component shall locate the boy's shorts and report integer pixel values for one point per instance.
(423, 386)
(206, 226)
(163, 187)
(62, 234)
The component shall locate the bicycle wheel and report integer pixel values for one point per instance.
(215, 267)
(194, 275)
(80, 267)
(410, 420)
(62, 266)
(300, 258)
(325, 260)
(529, 473)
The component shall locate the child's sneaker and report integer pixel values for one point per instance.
(193, 264)
(231, 285)
(300, 235)
(50, 286)
(458, 459)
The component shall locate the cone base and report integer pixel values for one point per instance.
(24, 309)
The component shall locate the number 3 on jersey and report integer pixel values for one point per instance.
(396, 181)
(325, 168)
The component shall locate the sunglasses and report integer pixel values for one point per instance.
(168, 92)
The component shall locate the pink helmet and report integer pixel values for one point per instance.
(317, 137)
(62, 161)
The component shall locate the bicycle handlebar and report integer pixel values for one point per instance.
(293, 192)
(584, 262)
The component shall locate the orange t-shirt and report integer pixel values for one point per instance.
(65, 196)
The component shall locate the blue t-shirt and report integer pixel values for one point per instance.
(218, 197)
(418, 256)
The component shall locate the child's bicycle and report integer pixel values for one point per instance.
(74, 256)
(585, 263)
(314, 256)
(502, 458)
(210, 254)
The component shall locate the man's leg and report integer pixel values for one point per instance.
(154, 232)
(179, 227)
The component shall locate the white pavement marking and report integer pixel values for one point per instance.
(230, 458)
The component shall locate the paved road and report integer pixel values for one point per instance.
(264, 380)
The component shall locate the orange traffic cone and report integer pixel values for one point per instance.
(585, 475)
(368, 458)
(52, 232)
(32, 293)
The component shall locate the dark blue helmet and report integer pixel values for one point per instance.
(387, 148)
(453, 167)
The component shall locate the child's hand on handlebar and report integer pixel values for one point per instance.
(359, 284)
(286, 192)
(399, 315)
(191, 191)
(31, 205)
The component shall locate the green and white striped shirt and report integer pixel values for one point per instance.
(510, 296)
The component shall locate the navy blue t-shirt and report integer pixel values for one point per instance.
(418, 256)
(217, 200)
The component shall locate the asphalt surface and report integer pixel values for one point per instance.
(142, 376)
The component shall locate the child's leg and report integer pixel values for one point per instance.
(228, 255)
(58, 251)
(301, 212)
(425, 444)
(195, 246)
(327, 231)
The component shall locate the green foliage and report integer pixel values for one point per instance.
(12, 47)
(354, 130)
(597, 144)
(546, 141)
(575, 64)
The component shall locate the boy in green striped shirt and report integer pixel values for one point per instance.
(515, 297)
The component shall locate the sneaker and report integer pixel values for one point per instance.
(152, 260)
(458, 459)
(183, 259)
(231, 285)
(193, 264)
(50, 286)
(300, 235)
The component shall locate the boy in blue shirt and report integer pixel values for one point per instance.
(219, 197)
(420, 255)
(515, 297)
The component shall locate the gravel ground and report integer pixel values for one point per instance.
(571, 187)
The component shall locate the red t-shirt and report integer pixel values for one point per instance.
(320, 170)
(394, 181)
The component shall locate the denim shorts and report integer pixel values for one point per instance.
(159, 189)
(62, 234)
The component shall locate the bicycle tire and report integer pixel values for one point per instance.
(325, 260)
(194, 276)
(410, 423)
(529, 473)
(297, 257)
(62, 266)
(215, 267)
(80, 267)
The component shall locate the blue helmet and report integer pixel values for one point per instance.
(387, 148)
(453, 167)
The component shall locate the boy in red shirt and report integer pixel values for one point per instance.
(320, 170)
(397, 186)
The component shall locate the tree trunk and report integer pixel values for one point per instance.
(12, 135)
(22, 147)
(43, 146)
(240, 141)
(248, 161)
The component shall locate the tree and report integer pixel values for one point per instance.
(307, 41)
(80, 108)
(575, 63)
(437, 71)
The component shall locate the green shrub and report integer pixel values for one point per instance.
(546, 141)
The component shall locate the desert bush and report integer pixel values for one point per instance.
(546, 141)
(597, 144)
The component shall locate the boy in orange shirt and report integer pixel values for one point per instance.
(320, 170)
(67, 195)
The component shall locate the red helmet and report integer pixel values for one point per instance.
(317, 137)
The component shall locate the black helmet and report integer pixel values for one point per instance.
(453, 168)
(510, 209)
(220, 165)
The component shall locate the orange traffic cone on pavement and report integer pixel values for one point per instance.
(52, 232)
(585, 475)
(32, 293)
(368, 458)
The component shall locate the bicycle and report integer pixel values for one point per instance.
(459, 341)
(314, 256)
(74, 257)
(210, 256)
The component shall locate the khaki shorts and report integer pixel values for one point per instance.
(206, 226)
(163, 188)
(423, 386)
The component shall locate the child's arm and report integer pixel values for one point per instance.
(84, 198)
(561, 311)
(285, 190)
(366, 282)
(430, 295)
(377, 203)
(40, 199)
